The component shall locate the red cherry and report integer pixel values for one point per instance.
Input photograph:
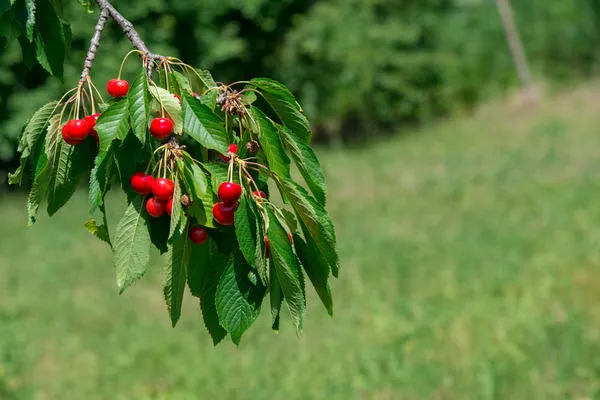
(233, 148)
(91, 120)
(163, 188)
(77, 129)
(161, 128)
(229, 192)
(117, 87)
(141, 183)
(67, 138)
(155, 207)
(177, 97)
(260, 193)
(224, 213)
(169, 208)
(267, 247)
(198, 234)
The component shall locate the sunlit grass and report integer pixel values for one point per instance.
(470, 255)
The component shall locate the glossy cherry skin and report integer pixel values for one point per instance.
(267, 247)
(77, 129)
(155, 207)
(163, 188)
(229, 192)
(198, 234)
(117, 87)
(67, 138)
(91, 120)
(260, 193)
(233, 148)
(161, 128)
(141, 183)
(224, 213)
(169, 206)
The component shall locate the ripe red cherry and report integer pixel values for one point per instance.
(91, 120)
(117, 87)
(177, 97)
(141, 183)
(77, 129)
(229, 192)
(169, 207)
(155, 207)
(163, 188)
(224, 213)
(67, 138)
(161, 128)
(267, 247)
(260, 193)
(198, 234)
(233, 148)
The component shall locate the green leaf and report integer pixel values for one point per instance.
(198, 187)
(100, 231)
(307, 162)
(138, 100)
(316, 268)
(249, 235)
(182, 82)
(287, 269)
(218, 174)
(314, 221)
(130, 157)
(113, 123)
(39, 188)
(169, 103)
(132, 245)
(209, 92)
(238, 300)
(176, 275)
(283, 102)
(159, 232)
(100, 178)
(49, 39)
(276, 297)
(203, 125)
(178, 218)
(30, 24)
(279, 162)
(206, 267)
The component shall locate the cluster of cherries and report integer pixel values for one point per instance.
(75, 131)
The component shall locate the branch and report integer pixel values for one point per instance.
(106, 10)
(94, 43)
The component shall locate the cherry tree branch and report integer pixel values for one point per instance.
(106, 10)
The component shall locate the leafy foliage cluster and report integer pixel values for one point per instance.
(272, 244)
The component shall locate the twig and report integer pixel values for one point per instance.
(94, 43)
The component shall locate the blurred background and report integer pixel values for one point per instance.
(468, 219)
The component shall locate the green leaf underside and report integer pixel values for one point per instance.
(30, 24)
(307, 162)
(209, 93)
(276, 297)
(113, 123)
(238, 300)
(178, 218)
(170, 104)
(314, 221)
(100, 178)
(317, 270)
(100, 231)
(176, 275)
(283, 102)
(204, 126)
(279, 162)
(249, 235)
(287, 269)
(206, 267)
(138, 99)
(198, 187)
(131, 245)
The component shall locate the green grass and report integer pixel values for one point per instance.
(470, 270)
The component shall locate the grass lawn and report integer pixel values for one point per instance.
(470, 270)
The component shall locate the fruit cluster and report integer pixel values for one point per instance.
(75, 131)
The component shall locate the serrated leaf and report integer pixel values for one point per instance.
(209, 92)
(30, 24)
(182, 82)
(276, 297)
(279, 162)
(49, 39)
(203, 125)
(113, 123)
(316, 268)
(176, 275)
(159, 233)
(100, 231)
(132, 245)
(313, 219)
(238, 300)
(130, 157)
(178, 219)
(206, 267)
(307, 162)
(198, 187)
(283, 102)
(287, 268)
(171, 106)
(138, 99)
(39, 188)
(249, 235)
(100, 178)
(218, 174)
